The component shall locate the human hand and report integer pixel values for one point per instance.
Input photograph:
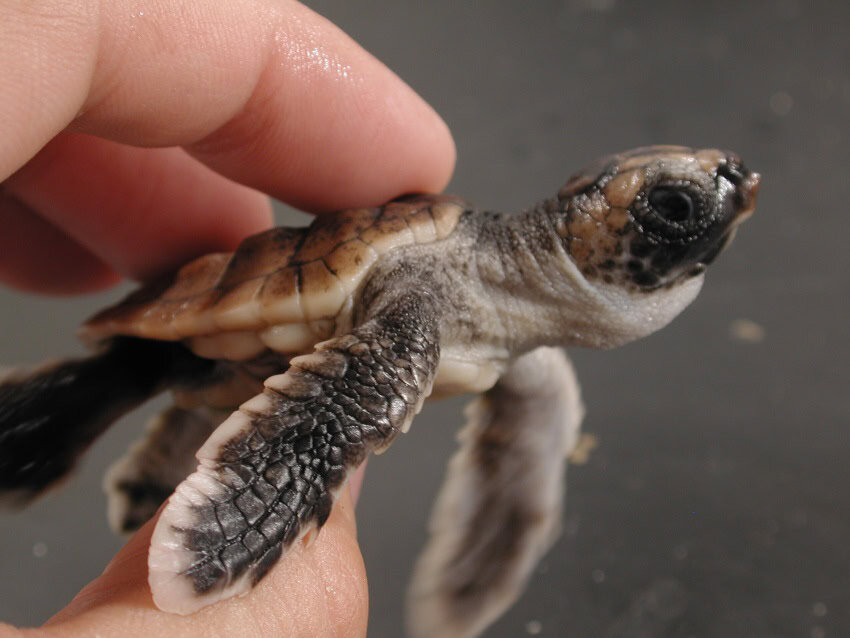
(138, 135)
(262, 92)
(313, 591)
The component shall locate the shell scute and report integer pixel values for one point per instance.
(331, 230)
(290, 337)
(422, 225)
(402, 209)
(446, 214)
(350, 261)
(387, 233)
(259, 255)
(196, 277)
(326, 294)
(192, 316)
(280, 297)
(239, 307)
(281, 276)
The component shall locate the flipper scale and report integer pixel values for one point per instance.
(271, 472)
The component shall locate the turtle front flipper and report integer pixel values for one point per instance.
(499, 509)
(270, 473)
(141, 480)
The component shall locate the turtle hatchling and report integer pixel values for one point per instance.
(295, 357)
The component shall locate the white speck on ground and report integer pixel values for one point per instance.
(533, 627)
(746, 330)
(598, 576)
(580, 454)
(819, 609)
(781, 103)
(39, 550)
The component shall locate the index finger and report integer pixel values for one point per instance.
(268, 93)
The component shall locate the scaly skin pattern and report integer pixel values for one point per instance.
(423, 293)
(272, 470)
(496, 287)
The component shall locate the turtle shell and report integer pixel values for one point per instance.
(282, 289)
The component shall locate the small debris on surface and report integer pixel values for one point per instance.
(533, 627)
(581, 452)
(781, 103)
(598, 576)
(819, 610)
(39, 550)
(746, 330)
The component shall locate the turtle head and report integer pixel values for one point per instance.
(654, 217)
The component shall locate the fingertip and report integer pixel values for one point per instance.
(329, 126)
(431, 140)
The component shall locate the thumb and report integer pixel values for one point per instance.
(316, 590)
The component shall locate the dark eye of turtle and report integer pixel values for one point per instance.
(673, 204)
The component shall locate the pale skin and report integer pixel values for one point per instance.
(139, 134)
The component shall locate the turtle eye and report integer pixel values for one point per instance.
(672, 204)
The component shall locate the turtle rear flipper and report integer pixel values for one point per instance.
(271, 472)
(499, 509)
(50, 416)
(141, 480)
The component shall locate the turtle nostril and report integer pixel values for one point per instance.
(732, 172)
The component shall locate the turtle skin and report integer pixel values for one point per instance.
(322, 344)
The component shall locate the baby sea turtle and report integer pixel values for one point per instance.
(326, 340)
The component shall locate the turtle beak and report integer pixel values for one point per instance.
(748, 189)
(746, 184)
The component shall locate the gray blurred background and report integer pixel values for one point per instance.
(716, 502)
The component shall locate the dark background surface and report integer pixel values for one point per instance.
(717, 501)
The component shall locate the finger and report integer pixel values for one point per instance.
(313, 591)
(143, 211)
(355, 483)
(266, 92)
(38, 257)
